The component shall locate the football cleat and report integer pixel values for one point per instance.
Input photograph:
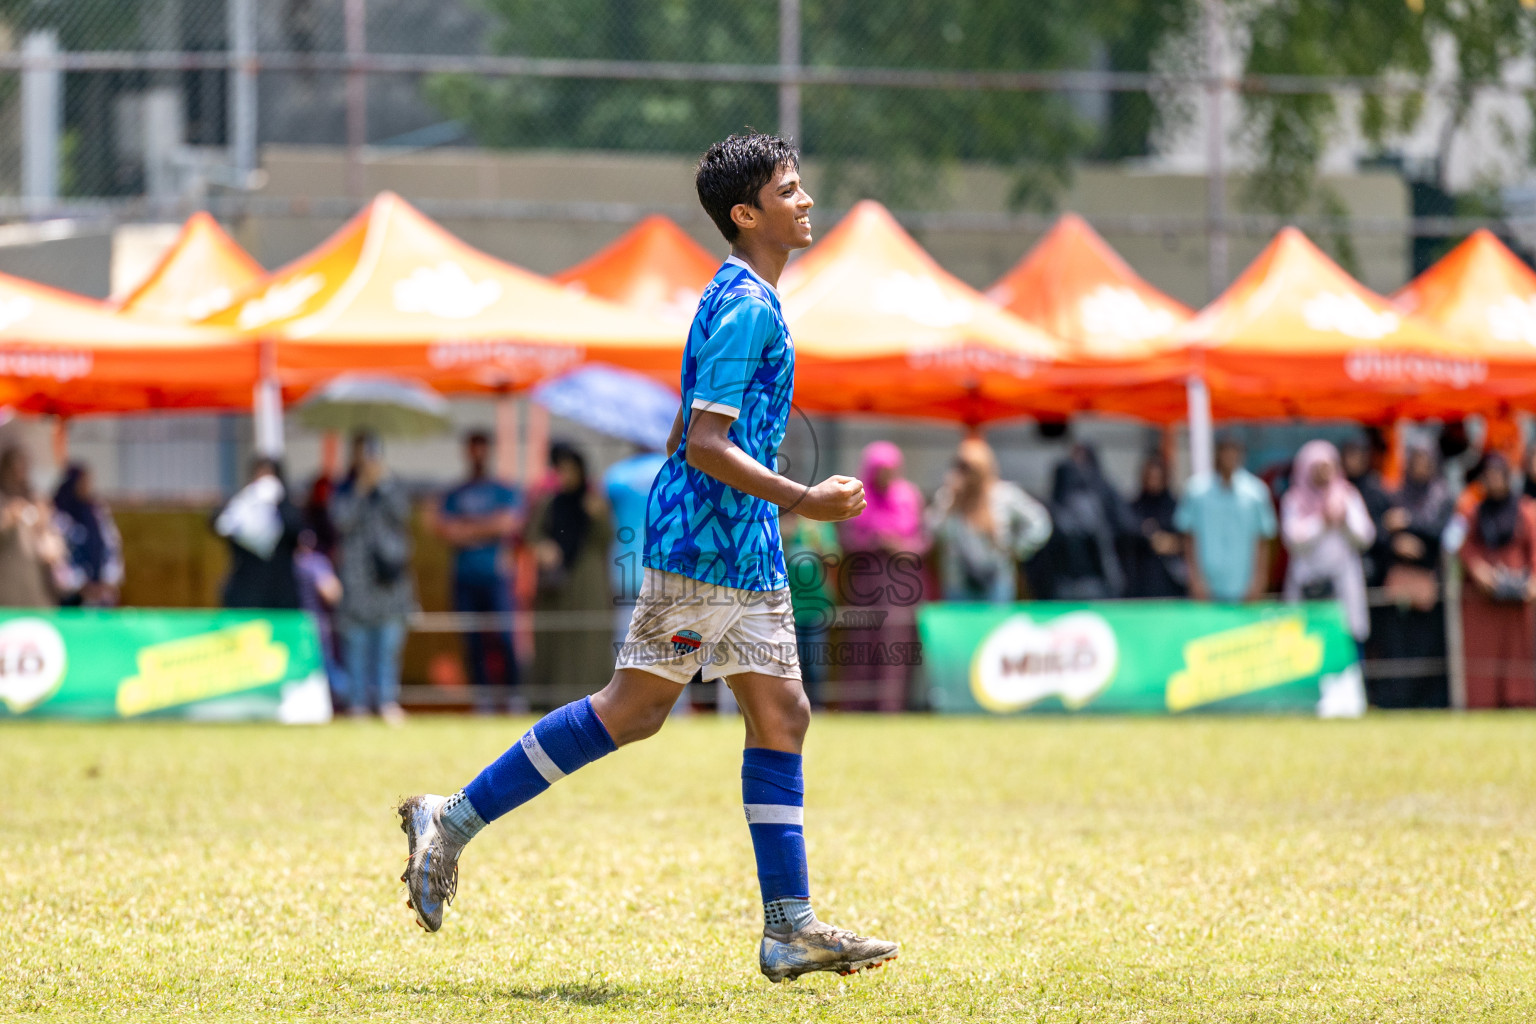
(819, 947)
(432, 863)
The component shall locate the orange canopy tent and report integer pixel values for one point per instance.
(1484, 296)
(1075, 286)
(200, 274)
(392, 292)
(879, 327)
(655, 266)
(1295, 335)
(65, 354)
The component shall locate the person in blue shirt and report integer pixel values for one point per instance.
(628, 486)
(1228, 523)
(714, 595)
(478, 518)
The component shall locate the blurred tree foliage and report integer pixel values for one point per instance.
(882, 142)
(81, 24)
(1367, 37)
(90, 166)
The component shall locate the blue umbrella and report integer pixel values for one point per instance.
(612, 401)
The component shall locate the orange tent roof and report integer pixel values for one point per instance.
(393, 292)
(201, 273)
(880, 327)
(65, 354)
(1078, 288)
(655, 266)
(1483, 295)
(1295, 335)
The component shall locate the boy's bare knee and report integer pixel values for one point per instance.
(633, 712)
(778, 715)
(649, 720)
(797, 716)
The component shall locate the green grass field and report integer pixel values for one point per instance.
(1044, 870)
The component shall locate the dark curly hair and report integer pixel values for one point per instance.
(735, 169)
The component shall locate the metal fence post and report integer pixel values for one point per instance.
(789, 62)
(42, 120)
(357, 94)
(1215, 143)
(242, 87)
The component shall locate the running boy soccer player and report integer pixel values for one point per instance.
(715, 594)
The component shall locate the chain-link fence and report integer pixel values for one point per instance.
(122, 107)
(1187, 130)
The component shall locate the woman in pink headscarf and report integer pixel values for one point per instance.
(883, 581)
(1325, 526)
(892, 519)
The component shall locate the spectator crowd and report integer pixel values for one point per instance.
(1325, 527)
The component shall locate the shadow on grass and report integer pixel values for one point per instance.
(577, 993)
(570, 993)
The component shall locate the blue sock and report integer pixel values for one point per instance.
(558, 744)
(774, 794)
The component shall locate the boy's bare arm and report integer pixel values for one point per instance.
(675, 436)
(711, 451)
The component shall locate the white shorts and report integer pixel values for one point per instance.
(683, 625)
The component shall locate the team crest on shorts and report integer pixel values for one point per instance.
(686, 641)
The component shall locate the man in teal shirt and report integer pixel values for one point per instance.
(1228, 521)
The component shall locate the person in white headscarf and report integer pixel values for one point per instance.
(1325, 526)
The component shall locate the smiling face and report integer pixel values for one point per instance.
(781, 217)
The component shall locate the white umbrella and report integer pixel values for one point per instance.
(386, 406)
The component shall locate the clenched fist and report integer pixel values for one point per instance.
(834, 499)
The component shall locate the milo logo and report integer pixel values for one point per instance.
(31, 663)
(1021, 662)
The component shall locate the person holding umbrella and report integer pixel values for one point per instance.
(372, 514)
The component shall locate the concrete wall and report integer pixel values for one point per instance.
(74, 256)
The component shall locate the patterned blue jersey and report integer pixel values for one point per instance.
(738, 361)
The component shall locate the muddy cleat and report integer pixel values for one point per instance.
(819, 947)
(432, 864)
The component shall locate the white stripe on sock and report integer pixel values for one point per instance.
(774, 814)
(541, 761)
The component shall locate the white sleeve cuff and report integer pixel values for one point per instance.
(705, 405)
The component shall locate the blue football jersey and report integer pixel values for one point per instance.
(739, 361)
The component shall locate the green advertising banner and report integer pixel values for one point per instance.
(141, 663)
(1140, 657)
